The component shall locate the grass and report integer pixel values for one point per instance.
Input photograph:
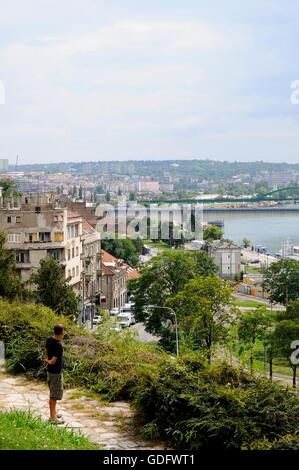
(163, 247)
(253, 270)
(248, 303)
(22, 431)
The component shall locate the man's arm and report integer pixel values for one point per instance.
(52, 361)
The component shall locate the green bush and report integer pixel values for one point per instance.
(24, 329)
(183, 400)
(104, 362)
(195, 406)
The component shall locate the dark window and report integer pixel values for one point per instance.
(37, 210)
(22, 257)
(9, 220)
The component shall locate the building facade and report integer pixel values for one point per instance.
(37, 226)
(227, 257)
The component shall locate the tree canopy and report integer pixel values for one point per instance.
(281, 280)
(52, 290)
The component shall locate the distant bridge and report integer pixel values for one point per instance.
(264, 197)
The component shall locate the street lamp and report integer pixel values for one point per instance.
(176, 323)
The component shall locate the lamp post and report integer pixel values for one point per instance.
(176, 323)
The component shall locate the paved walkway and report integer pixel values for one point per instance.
(108, 426)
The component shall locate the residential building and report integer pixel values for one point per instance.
(114, 282)
(227, 257)
(37, 226)
(115, 277)
(3, 165)
(91, 269)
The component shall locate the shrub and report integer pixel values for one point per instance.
(197, 406)
(24, 329)
(105, 362)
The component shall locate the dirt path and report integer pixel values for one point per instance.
(108, 426)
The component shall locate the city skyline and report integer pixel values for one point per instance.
(144, 81)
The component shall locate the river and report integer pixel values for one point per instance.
(269, 229)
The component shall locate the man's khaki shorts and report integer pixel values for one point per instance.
(55, 383)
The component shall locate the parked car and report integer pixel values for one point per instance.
(114, 311)
(125, 319)
(97, 320)
(128, 307)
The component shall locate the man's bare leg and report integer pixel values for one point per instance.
(52, 405)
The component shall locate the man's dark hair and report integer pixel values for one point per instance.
(58, 329)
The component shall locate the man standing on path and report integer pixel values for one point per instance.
(54, 360)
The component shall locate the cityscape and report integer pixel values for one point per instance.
(149, 242)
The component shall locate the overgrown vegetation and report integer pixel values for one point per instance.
(186, 401)
(195, 406)
(104, 362)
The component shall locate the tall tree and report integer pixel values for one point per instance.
(53, 290)
(287, 331)
(11, 286)
(281, 280)
(252, 327)
(204, 308)
(164, 276)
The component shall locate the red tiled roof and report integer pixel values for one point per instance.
(108, 258)
(132, 273)
(72, 214)
(87, 228)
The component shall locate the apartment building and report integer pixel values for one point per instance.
(114, 282)
(37, 226)
(91, 269)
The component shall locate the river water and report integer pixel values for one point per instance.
(269, 229)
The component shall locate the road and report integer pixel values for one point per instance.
(142, 335)
(263, 260)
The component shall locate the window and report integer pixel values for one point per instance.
(14, 238)
(72, 231)
(22, 257)
(37, 210)
(77, 270)
(55, 254)
(44, 236)
(58, 236)
(77, 251)
(73, 272)
(69, 273)
(18, 219)
(9, 220)
(73, 252)
(55, 218)
(68, 254)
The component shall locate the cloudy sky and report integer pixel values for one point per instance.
(140, 79)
